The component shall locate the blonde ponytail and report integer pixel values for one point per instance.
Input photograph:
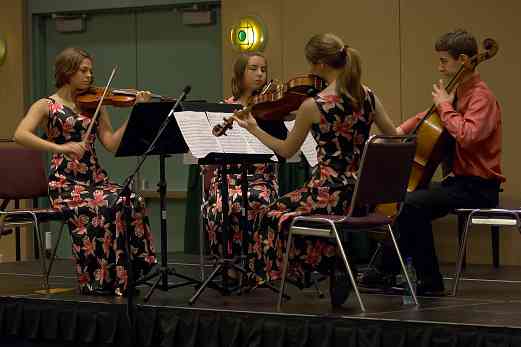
(349, 82)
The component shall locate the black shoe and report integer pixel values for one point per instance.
(339, 287)
(152, 272)
(96, 292)
(373, 280)
(124, 293)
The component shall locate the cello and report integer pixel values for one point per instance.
(432, 140)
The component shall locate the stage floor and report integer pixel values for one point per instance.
(488, 297)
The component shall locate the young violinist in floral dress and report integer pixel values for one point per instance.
(339, 118)
(79, 186)
(249, 77)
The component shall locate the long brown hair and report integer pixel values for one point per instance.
(67, 63)
(329, 49)
(239, 68)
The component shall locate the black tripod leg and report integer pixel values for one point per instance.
(203, 286)
(126, 210)
(151, 290)
(275, 289)
(186, 278)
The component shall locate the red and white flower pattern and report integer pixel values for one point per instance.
(262, 191)
(340, 135)
(83, 191)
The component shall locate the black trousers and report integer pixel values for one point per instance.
(414, 224)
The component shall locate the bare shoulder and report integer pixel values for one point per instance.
(41, 106)
(309, 106)
(309, 110)
(43, 102)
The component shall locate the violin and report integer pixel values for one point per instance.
(277, 100)
(90, 98)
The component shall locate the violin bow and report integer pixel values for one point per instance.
(220, 129)
(87, 133)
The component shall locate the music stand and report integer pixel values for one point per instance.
(143, 125)
(226, 261)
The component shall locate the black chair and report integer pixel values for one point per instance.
(462, 215)
(495, 217)
(24, 177)
(382, 178)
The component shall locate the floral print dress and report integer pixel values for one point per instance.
(82, 190)
(262, 191)
(340, 136)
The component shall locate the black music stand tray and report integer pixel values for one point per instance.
(143, 126)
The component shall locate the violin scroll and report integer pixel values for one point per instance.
(220, 129)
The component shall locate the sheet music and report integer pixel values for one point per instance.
(238, 140)
(233, 142)
(197, 133)
(309, 147)
(255, 144)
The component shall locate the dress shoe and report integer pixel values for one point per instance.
(339, 287)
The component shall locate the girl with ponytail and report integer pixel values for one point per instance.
(339, 118)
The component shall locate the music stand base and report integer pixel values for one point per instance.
(222, 268)
(165, 286)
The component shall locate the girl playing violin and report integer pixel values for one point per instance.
(249, 77)
(79, 186)
(339, 118)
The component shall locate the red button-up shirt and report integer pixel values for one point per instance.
(476, 126)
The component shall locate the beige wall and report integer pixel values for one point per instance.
(395, 38)
(13, 91)
(12, 72)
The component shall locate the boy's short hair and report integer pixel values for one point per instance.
(457, 42)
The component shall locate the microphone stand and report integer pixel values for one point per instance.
(125, 193)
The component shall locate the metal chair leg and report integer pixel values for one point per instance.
(404, 269)
(201, 230)
(285, 262)
(375, 254)
(344, 257)
(54, 250)
(461, 254)
(461, 227)
(494, 231)
(39, 240)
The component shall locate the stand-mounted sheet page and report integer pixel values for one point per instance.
(196, 128)
(309, 147)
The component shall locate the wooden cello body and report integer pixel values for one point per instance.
(432, 144)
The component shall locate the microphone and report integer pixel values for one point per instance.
(183, 95)
(168, 118)
(186, 90)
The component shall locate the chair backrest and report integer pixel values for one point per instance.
(22, 172)
(384, 170)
